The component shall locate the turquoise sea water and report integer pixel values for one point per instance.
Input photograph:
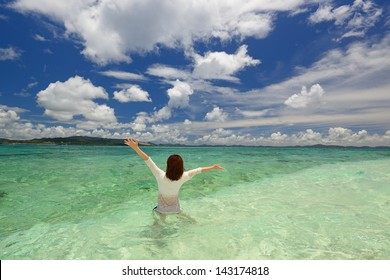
(80, 202)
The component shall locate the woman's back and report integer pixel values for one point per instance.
(168, 190)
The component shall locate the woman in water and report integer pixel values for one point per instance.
(169, 182)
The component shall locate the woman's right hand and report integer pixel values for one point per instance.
(217, 167)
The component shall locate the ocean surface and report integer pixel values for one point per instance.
(84, 202)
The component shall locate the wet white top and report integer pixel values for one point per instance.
(168, 190)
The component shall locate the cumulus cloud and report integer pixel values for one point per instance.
(133, 94)
(9, 54)
(222, 136)
(164, 113)
(164, 134)
(305, 98)
(278, 137)
(179, 95)
(7, 116)
(336, 136)
(216, 115)
(345, 136)
(139, 124)
(250, 25)
(323, 13)
(222, 66)
(357, 18)
(150, 24)
(74, 97)
(328, 13)
(210, 66)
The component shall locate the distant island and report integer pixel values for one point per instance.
(73, 140)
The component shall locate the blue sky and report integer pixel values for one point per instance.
(267, 72)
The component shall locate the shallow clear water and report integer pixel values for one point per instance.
(76, 202)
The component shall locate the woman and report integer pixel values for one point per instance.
(169, 182)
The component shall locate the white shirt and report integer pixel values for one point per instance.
(168, 190)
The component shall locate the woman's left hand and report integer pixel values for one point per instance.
(132, 143)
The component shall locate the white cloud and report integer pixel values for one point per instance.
(15, 109)
(308, 137)
(64, 100)
(223, 132)
(323, 13)
(101, 113)
(8, 116)
(356, 19)
(133, 94)
(164, 134)
(164, 113)
(122, 75)
(305, 98)
(346, 136)
(216, 115)
(167, 72)
(252, 114)
(246, 25)
(336, 136)
(222, 136)
(179, 95)
(9, 54)
(210, 66)
(40, 38)
(32, 84)
(222, 66)
(342, 66)
(129, 26)
(139, 124)
(278, 137)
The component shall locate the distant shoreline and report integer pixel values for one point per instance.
(73, 140)
(97, 141)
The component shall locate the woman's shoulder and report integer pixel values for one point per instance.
(192, 172)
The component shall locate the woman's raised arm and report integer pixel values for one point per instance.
(213, 167)
(134, 145)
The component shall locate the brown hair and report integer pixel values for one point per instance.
(175, 167)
